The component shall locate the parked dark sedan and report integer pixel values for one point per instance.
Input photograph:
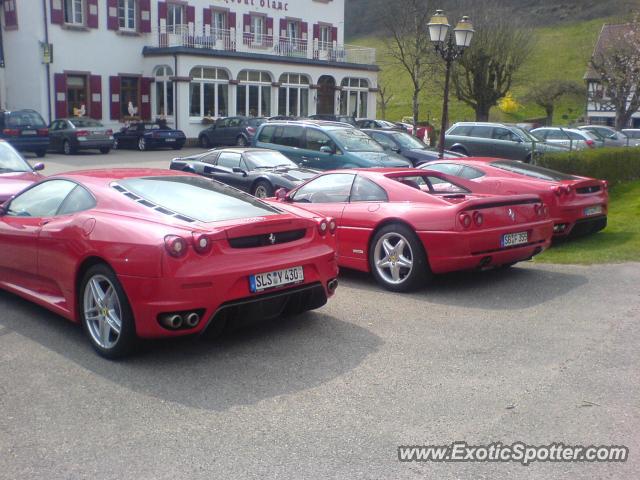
(69, 135)
(230, 131)
(25, 130)
(408, 146)
(149, 135)
(257, 171)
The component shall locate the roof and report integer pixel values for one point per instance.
(609, 34)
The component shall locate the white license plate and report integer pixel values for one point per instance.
(265, 281)
(589, 211)
(512, 239)
(169, 139)
(29, 132)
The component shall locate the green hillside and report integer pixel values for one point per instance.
(561, 52)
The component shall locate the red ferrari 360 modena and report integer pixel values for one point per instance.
(577, 205)
(404, 225)
(157, 253)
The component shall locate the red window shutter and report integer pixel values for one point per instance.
(316, 31)
(206, 16)
(10, 14)
(270, 26)
(191, 14)
(304, 30)
(232, 20)
(92, 13)
(114, 97)
(95, 90)
(112, 14)
(145, 98)
(56, 12)
(283, 27)
(145, 16)
(162, 11)
(334, 34)
(246, 23)
(60, 87)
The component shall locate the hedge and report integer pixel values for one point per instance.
(616, 165)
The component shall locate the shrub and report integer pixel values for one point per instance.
(616, 165)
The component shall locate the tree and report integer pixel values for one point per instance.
(485, 73)
(617, 65)
(384, 97)
(547, 94)
(408, 44)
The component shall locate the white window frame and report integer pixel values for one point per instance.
(167, 83)
(173, 25)
(125, 6)
(325, 36)
(76, 6)
(217, 82)
(357, 85)
(255, 83)
(299, 86)
(258, 28)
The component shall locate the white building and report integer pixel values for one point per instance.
(187, 61)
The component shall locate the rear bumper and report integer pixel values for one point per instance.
(454, 251)
(566, 219)
(29, 144)
(93, 144)
(166, 143)
(225, 292)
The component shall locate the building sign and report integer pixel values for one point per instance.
(47, 52)
(265, 4)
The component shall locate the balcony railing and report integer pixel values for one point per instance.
(233, 40)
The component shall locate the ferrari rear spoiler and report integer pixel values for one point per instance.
(499, 201)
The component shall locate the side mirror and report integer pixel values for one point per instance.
(239, 170)
(281, 195)
(4, 208)
(38, 167)
(326, 149)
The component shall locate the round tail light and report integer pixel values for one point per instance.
(332, 225)
(478, 218)
(323, 226)
(176, 246)
(545, 211)
(465, 220)
(202, 244)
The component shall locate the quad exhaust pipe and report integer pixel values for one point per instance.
(172, 321)
(191, 320)
(332, 285)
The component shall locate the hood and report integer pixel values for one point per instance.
(382, 159)
(12, 183)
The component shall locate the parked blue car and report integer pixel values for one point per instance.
(25, 130)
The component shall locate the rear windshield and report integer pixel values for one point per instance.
(408, 141)
(533, 171)
(431, 184)
(24, 119)
(84, 122)
(11, 161)
(256, 122)
(353, 140)
(198, 198)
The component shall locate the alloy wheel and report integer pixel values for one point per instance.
(142, 144)
(102, 311)
(393, 258)
(261, 192)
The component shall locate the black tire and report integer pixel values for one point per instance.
(459, 150)
(104, 150)
(418, 275)
(204, 142)
(68, 149)
(41, 152)
(262, 189)
(127, 338)
(242, 141)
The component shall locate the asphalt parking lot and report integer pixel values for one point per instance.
(537, 353)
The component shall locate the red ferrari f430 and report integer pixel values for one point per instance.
(157, 253)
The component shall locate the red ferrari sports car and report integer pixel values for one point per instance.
(157, 253)
(15, 173)
(399, 225)
(578, 205)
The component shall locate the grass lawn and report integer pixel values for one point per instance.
(619, 242)
(560, 52)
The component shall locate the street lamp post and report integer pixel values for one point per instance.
(450, 47)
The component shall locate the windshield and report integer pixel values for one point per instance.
(540, 173)
(25, 119)
(84, 122)
(151, 126)
(11, 161)
(198, 198)
(526, 136)
(268, 159)
(408, 141)
(353, 140)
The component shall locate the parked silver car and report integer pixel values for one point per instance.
(571, 138)
(610, 137)
(633, 134)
